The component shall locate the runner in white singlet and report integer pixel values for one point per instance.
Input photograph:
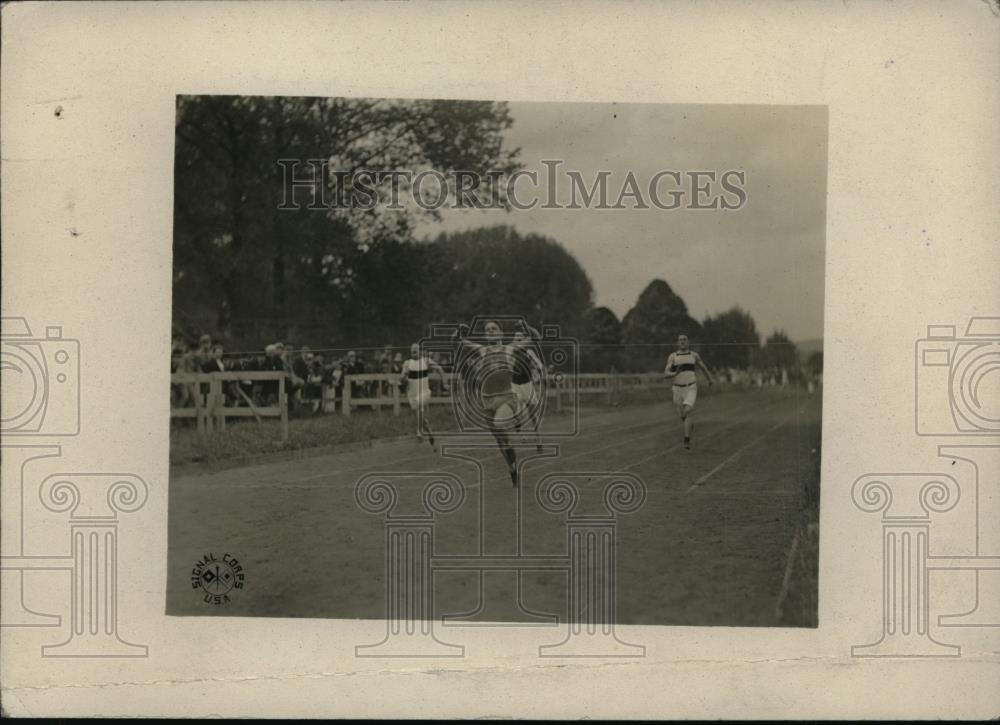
(414, 374)
(682, 367)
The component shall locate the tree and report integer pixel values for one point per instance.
(731, 338)
(779, 351)
(601, 343)
(496, 271)
(815, 363)
(651, 327)
(236, 253)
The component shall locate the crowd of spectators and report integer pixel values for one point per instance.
(314, 381)
(771, 377)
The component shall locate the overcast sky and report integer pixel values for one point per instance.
(767, 256)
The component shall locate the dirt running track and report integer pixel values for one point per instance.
(709, 546)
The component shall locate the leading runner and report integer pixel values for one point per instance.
(495, 363)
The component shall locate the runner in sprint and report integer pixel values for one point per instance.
(682, 367)
(414, 374)
(493, 368)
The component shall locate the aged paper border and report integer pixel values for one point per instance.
(87, 140)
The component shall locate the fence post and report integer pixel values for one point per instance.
(218, 398)
(345, 404)
(395, 399)
(283, 402)
(199, 406)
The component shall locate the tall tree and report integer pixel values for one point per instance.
(601, 343)
(730, 338)
(815, 363)
(237, 253)
(651, 327)
(496, 271)
(779, 351)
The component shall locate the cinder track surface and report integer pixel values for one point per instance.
(709, 546)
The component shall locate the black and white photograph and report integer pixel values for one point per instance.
(457, 363)
(500, 360)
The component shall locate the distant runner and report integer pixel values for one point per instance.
(682, 367)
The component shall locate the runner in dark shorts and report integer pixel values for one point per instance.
(493, 367)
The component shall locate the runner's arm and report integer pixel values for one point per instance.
(460, 336)
(537, 372)
(532, 336)
(669, 371)
(436, 367)
(704, 369)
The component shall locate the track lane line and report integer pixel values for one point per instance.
(786, 581)
(490, 449)
(736, 455)
(656, 419)
(434, 455)
(674, 447)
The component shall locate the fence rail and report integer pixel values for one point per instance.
(210, 410)
(376, 391)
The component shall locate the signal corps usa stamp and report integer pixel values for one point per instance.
(216, 577)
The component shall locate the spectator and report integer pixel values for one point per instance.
(179, 392)
(312, 393)
(178, 347)
(249, 364)
(383, 364)
(214, 362)
(384, 359)
(188, 364)
(353, 365)
(293, 381)
(204, 352)
(272, 362)
(336, 381)
(216, 365)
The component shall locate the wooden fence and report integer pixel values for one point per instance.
(610, 385)
(377, 391)
(210, 410)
